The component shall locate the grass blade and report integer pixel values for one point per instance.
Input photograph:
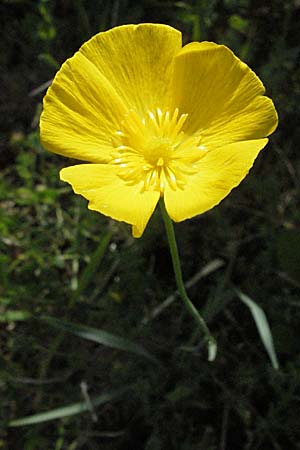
(15, 316)
(100, 337)
(64, 411)
(92, 267)
(262, 325)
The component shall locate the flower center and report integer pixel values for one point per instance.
(154, 151)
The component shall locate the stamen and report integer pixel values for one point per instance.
(154, 151)
(160, 116)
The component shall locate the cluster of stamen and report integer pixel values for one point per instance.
(153, 150)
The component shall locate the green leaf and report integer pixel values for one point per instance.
(93, 265)
(262, 326)
(48, 59)
(238, 23)
(14, 316)
(65, 411)
(100, 337)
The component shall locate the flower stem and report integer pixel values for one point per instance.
(212, 346)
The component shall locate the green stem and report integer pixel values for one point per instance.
(212, 346)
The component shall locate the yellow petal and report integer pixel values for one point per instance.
(128, 67)
(81, 112)
(219, 171)
(222, 96)
(137, 60)
(110, 195)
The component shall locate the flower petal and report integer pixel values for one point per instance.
(221, 94)
(219, 172)
(110, 195)
(137, 60)
(128, 67)
(81, 112)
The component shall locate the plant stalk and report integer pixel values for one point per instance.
(211, 342)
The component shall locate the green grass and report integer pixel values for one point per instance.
(60, 260)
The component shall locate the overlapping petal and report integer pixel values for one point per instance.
(98, 109)
(137, 59)
(222, 96)
(110, 195)
(128, 67)
(218, 173)
(81, 112)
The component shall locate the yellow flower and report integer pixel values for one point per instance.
(153, 119)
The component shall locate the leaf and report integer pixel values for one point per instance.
(93, 266)
(262, 325)
(100, 337)
(65, 411)
(14, 316)
(238, 23)
(212, 350)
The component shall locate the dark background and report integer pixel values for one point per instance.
(61, 260)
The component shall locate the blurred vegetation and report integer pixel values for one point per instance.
(59, 260)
